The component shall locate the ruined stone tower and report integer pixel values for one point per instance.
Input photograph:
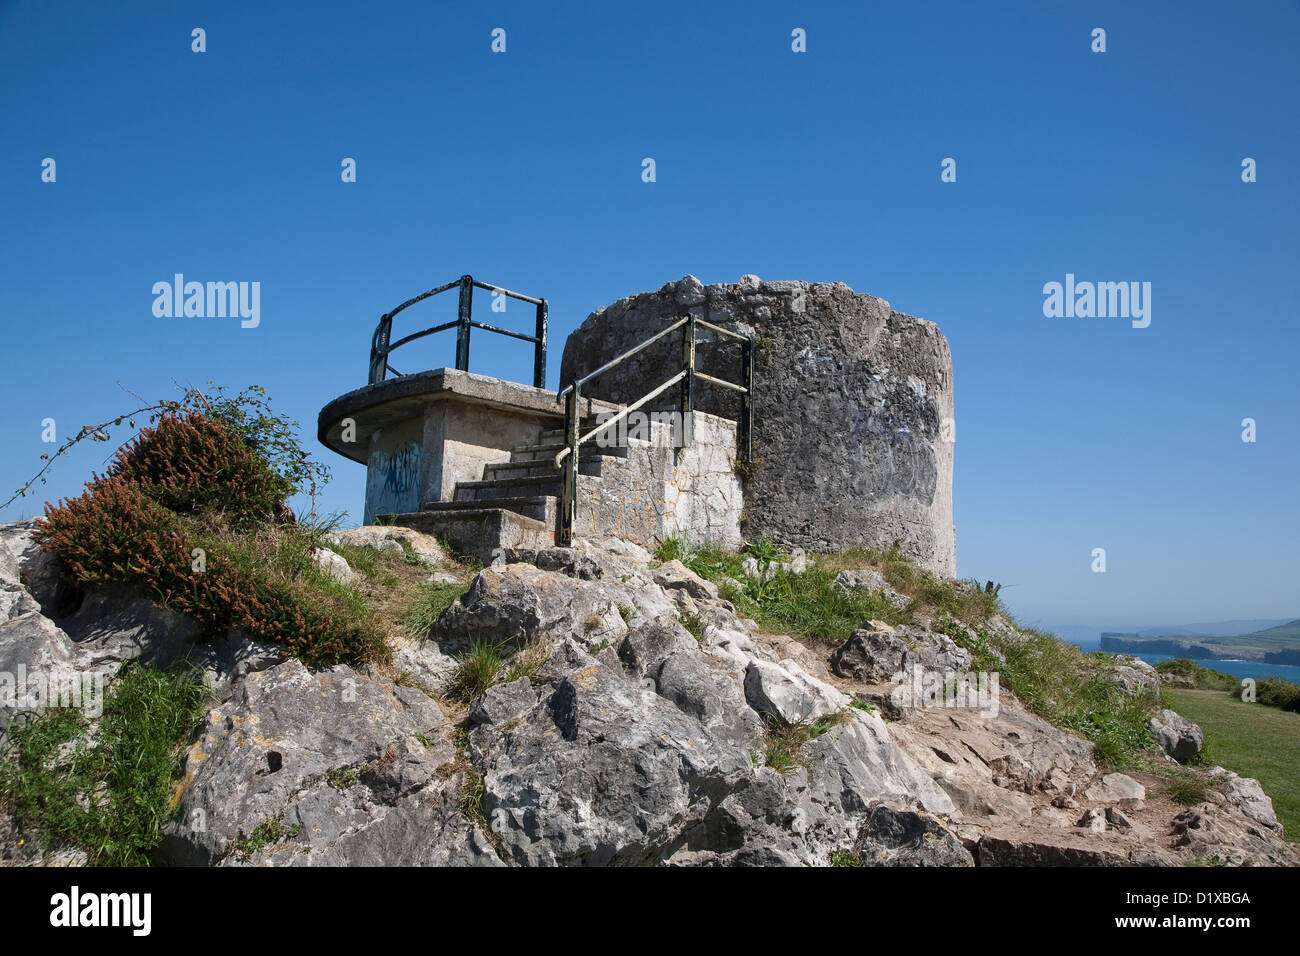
(853, 418)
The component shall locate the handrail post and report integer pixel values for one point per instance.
(745, 440)
(687, 409)
(379, 349)
(462, 319)
(539, 354)
(569, 495)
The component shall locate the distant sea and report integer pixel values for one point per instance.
(1257, 670)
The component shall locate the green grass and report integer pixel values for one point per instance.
(785, 740)
(476, 670)
(428, 604)
(265, 834)
(695, 624)
(1253, 741)
(807, 605)
(1068, 688)
(111, 798)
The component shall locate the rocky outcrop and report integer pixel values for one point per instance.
(623, 736)
(328, 768)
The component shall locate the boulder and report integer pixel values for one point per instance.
(875, 654)
(1134, 676)
(896, 836)
(302, 768)
(333, 564)
(390, 539)
(787, 691)
(1177, 736)
(1119, 789)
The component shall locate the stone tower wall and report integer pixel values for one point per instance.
(853, 417)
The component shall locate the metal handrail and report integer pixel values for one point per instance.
(626, 355)
(567, 458)
(381, 348)
(605, 425)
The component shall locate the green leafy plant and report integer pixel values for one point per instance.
(110, 795)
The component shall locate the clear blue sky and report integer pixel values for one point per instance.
(524, 168)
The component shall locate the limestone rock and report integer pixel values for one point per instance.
(390, 539)
(1119, 789)
(787, 691)
(334, 564)
(1134, 676)
(894, 836)
(1178, 736)
(343, 767)
(877, 653)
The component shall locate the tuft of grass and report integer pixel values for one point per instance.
(1187, 789)
(527, 662)
(746, 468)
(341, 778)
(110, 797)
(268, 833)
(427, 605)
(476, 670)
(844, 858)
(785, 740)
(694, 623)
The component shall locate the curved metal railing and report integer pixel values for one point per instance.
(381, 347)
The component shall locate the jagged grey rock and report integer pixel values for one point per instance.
(787, 691)
(1177, 736)
(1119, 789)
(342, 765)
(878, 652)
(1134, 676)
(894, 836)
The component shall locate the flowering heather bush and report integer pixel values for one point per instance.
(192, 463)
(190, 483)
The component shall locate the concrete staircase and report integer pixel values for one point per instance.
(516, 503)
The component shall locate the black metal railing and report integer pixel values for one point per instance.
(381, 347)
(567, 458)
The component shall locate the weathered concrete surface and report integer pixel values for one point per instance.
(853, 405)
(658, 491)
(420, 434)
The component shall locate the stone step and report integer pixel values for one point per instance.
(548, 450)
(480, 532)
(551, 485)
(537, 507)
(540, 467)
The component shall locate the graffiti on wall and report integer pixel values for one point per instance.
(393, 481)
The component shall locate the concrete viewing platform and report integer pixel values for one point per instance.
(471, 459)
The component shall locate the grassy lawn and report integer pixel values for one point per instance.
(1252, 740)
